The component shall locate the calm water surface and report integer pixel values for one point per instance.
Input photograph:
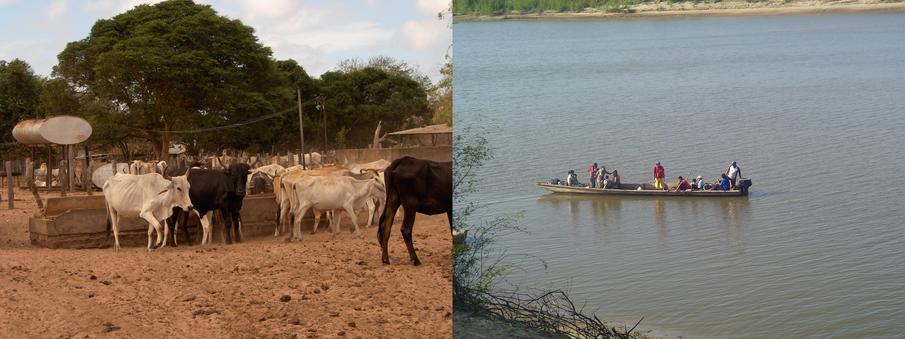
(812, 108)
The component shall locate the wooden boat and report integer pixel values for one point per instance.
(642, 189)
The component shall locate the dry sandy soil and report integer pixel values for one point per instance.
(265, 287)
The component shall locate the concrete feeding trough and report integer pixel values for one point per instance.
(81, 222)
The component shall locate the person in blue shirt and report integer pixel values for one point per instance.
(724, 182)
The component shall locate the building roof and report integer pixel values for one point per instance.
(432, 129)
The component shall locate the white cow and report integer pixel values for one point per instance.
(377, 197)
(329, 193)
(287, 202)
(148, 196)
(145, 167)
(379, 165)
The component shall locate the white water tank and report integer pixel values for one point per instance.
(61, 130)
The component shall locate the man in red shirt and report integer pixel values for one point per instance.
(683, 185)
(659, 174)
(592, 171)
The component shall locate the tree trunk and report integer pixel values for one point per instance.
(164, 146)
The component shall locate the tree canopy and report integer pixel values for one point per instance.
(175, 63)
(20, 92)
(178, 71)
(356, 100)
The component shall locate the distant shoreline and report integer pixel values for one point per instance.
(719, 9)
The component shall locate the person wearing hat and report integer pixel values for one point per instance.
(733, 172)
(572, 179)
(659, 174)
(699, 183)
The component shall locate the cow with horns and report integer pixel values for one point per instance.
(149, 196)
(216, 190)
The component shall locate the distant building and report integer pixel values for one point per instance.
(433, 135)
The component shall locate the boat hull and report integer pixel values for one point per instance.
(632, 189)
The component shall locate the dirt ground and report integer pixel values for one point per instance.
(265, 287)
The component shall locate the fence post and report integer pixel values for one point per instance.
(9, 182)
(86, 175)
(70, 168)
(48, 184)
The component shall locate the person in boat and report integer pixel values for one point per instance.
(698, 183)
(592, 171)
(572, 179)
(616, 179)
(682, 185)
(602, 176)
(724, 182)
(659, 175)
(733, 172)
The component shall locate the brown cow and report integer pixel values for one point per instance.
(417, 185)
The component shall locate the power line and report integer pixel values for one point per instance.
(217, 128)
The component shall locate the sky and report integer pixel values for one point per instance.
(316, 33)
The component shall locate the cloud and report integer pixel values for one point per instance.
(431, 6)
(56, 8)
(424, 35)
(271, 9)
(109, 8)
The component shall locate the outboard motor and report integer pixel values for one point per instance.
(743, 184)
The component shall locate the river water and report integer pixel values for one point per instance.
(812, 109)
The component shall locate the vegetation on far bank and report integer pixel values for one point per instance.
(523, 7)
(505, 7)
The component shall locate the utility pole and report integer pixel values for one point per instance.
(301, 128)
(323, 107)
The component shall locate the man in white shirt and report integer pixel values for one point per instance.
(733, 172)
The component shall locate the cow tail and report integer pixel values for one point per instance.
(387, 180)
(109, 221)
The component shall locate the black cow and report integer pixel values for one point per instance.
(418, 185)
(218, 190)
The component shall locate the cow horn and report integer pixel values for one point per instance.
(187, 172)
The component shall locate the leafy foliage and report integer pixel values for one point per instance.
(178, 71)
(503, 7)
(359, 98)
(441, 95)
(20, 92)
(175, 63)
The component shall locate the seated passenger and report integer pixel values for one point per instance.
(572, 179)
(699, 183)
(616, 180)
(724, 182)
(682, 185)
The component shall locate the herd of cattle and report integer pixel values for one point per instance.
(167, 196)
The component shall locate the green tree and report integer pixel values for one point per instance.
(58, 98)
(441, 95)
(20, 92)
(359, 98)
(175, 63)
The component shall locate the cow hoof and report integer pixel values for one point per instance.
(416, 262)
